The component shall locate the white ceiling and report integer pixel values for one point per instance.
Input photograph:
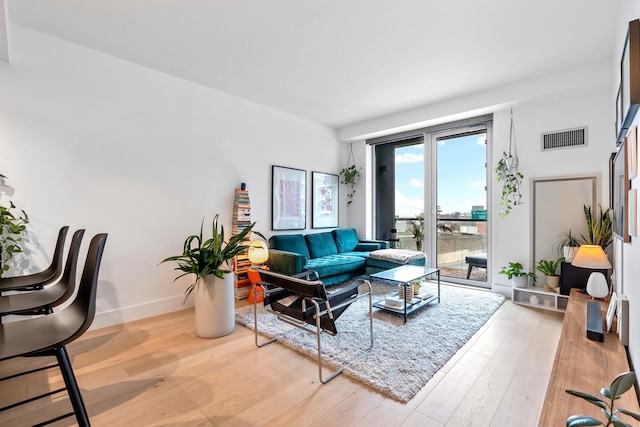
(338, 62)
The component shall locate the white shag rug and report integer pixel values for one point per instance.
(404, 357)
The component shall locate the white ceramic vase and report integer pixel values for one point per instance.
(214, 306)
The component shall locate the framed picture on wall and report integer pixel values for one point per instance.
(629, 99)
(621, 186)
(324, 200)
(288, 204)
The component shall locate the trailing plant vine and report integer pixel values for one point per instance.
(509, 176)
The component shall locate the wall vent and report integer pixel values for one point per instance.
(569, 138)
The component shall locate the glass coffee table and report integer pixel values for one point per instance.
(405, 275)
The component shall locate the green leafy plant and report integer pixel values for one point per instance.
(516, 269)
(350, 176)
(12, 227)
(511, 179)
(202, 257)
(620, 385)
(599, 227)
(549, 268)
(417, 230)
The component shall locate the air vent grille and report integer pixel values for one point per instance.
(569, 138)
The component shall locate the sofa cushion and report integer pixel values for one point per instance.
(346, 239)
(290, 243)
(335, 264)
(321, 244)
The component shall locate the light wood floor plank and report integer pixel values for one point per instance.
(156, 372)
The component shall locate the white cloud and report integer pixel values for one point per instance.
(410, 158)
(416, 183)
(408, 207)
(482, 140)
(477, 184)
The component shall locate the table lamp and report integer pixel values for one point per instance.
(593, 257)
(258, 254)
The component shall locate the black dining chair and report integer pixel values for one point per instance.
(33, 281)
(48, 335)
(44, 300)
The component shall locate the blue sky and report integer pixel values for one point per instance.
(461, 176)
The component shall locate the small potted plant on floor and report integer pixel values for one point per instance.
(515, 272)
(549, 268)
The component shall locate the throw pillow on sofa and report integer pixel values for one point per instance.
(321, 244)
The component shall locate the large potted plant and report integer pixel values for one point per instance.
(209, 260)
(599, 228)
(515, 272)
(12, 227)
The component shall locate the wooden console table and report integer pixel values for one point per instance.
(585, 365)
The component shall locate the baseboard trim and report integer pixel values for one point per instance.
(501, 289)
(140, 311)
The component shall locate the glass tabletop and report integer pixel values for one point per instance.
(405, 273)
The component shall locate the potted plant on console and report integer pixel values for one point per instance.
(515, 272)
(209, 262)
(568, 246)
(549, 268)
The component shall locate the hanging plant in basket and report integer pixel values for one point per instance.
(350, 176)
(511, 181)
(509, 176)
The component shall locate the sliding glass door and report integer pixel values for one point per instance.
(432, 190)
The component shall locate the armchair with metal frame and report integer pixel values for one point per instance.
(307, 305)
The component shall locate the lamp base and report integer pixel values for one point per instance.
(597, 285)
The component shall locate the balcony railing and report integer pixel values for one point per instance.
(456, 239)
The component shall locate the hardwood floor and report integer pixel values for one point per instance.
(155, 372)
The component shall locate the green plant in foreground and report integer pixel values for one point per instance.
(12, 226)
(621, 384)
(202, 257)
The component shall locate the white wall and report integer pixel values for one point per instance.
(92, 141)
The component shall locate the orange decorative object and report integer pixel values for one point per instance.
(254, 277)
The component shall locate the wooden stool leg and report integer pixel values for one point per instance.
(469, 270)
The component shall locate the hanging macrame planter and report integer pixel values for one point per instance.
(508, 175)
(350, 175)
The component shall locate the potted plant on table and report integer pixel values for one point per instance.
(549, 268)
(599, 228)
(515, 272)
(209, 260)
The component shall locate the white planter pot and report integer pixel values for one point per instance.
(215, 308)
(520, 281)
(569, 253)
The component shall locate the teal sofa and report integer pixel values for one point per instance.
(336, 255)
